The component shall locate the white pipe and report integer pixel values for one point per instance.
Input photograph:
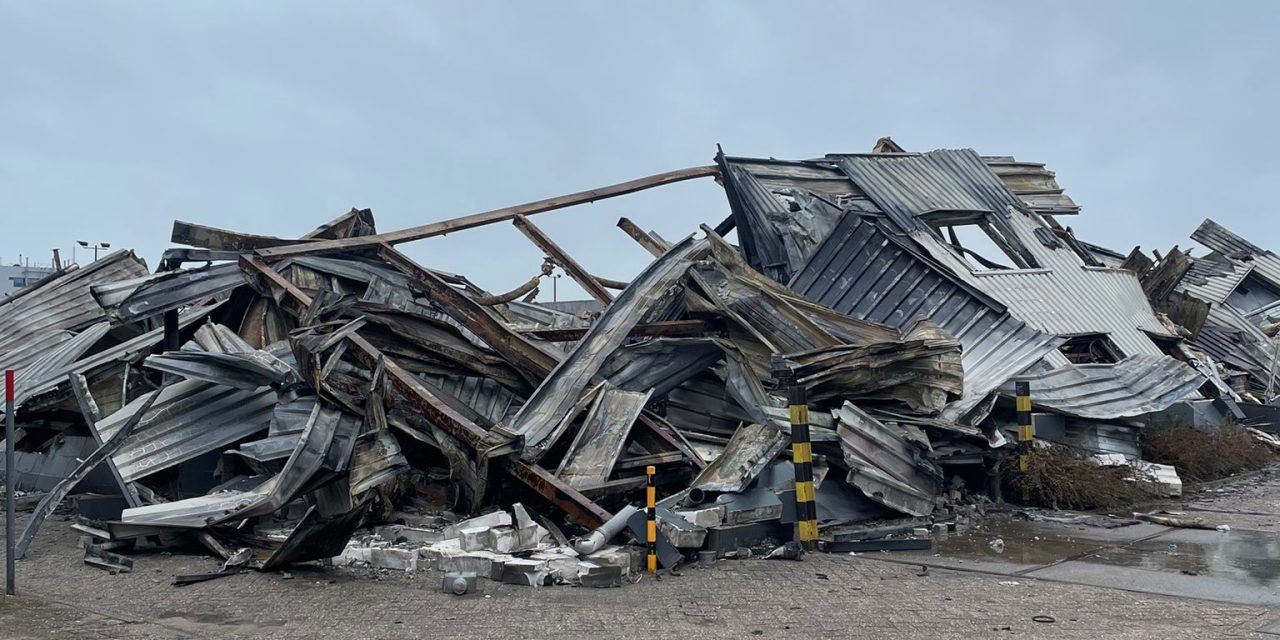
(596, 539)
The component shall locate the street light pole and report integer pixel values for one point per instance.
(95, 247)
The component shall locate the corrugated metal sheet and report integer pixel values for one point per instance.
(1134, 386)
(944, 180)
(1001, 317)
(1231, 338)
(61, 304)
(751, 448)
(484, 395)
(865, 272)
(139, 298)
(777, 236)
(596, 446)
(540, 417)
(1034, 184)
(539, 315)
(1064, 296)
(888, 463)
(53, 376)
(1078, 301)
(1222, 240)
(57, 352)
(188, 419)
(239, 370)
(1212, 278)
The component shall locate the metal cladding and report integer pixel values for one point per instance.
(188, 418)
(62, 302)
(883, 315)
(1131, 387)
(145, 297)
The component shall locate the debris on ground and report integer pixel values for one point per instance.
(328, 399)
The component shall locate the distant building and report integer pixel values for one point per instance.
(14, 277)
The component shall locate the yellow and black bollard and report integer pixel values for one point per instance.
(802, 462)
(651, 502)
(1026, 430)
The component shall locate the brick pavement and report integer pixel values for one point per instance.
(821, 597)
(836, 596)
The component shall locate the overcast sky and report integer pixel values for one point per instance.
(272, 117)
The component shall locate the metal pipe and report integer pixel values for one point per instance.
(596, 539)
(11, 540)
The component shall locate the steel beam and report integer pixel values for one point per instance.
(490, 217)
(532, 362)
(650, 243)
(566, 262)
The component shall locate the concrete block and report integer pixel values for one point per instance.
(562, 563)
(599, 576)
(502, 539)
(481, 563)
(474, 538)
(705, 517)
(755, 505)
(419, 537)
(352, 556)
(681, 532)
(488, 520)
(394, 559)
(522, 517)
(532, 573)
(727, 538)
(530, 535)
(432, 554)
(389, 532)
(630, 559)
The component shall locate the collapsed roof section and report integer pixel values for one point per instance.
(895, 237)
(903, 292)
(1241, 284)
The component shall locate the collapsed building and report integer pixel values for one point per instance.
(271, 397)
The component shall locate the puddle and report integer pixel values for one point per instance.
(1240, 558)
(1028, 543)
(1247, 557)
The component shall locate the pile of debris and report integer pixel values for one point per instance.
(282, 394)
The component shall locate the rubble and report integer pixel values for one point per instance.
(327, 398)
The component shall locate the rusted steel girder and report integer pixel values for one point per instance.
(533, 363)
(490, 217)
(566, 262)
(650, 243)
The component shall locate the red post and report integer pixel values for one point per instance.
(11, 540)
